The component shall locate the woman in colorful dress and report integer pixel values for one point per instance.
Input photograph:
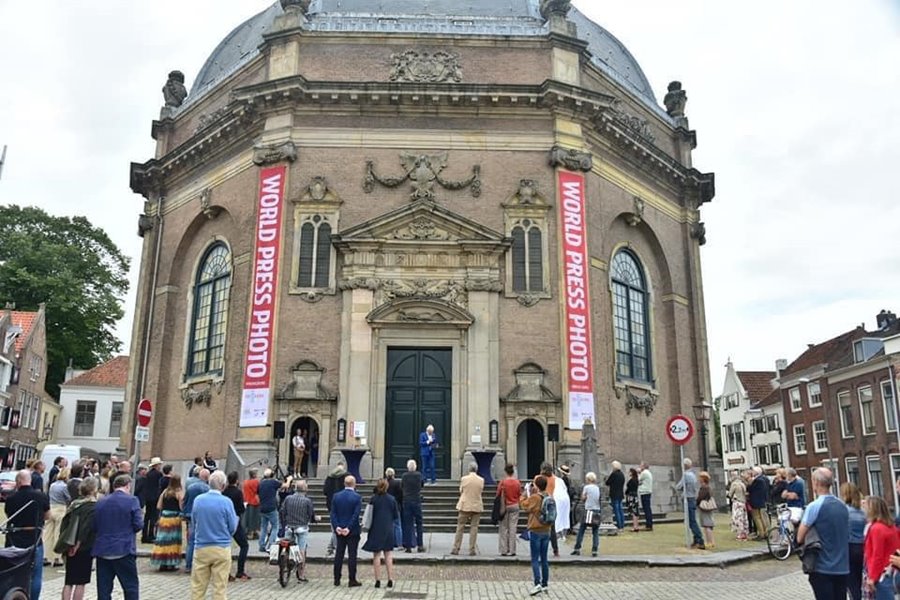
(166, 553)
(737, 493)
(632, 505)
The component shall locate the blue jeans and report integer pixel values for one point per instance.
(189, 550)
(268, 530)
(428, 466)
(540, 567)
(885, 589)
(618, 512)
(412, 515)
(595, 533)
(125, 569)
(647, 510)
(692, 521)
(37, 574)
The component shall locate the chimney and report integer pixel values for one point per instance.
(780, 365)
(70, 372)
(885, 319)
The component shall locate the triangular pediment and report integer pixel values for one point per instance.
(421, 222)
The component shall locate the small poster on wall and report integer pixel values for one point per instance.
(358, 429)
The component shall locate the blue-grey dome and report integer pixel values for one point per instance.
(458, 17)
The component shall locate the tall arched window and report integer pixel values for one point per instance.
(630, 317)
(211, 291)
(527, 257)
(315, 253)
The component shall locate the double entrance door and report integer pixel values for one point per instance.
(418, 395)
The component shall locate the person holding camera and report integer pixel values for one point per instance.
(590, 495)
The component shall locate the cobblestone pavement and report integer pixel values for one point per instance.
(468, 582)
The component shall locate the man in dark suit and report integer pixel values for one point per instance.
(427, 443)
(117, 519)
(345, 508)
(151, 495)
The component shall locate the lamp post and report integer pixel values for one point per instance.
(703, 413)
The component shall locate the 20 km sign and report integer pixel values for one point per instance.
(145, 412)
(680, 429)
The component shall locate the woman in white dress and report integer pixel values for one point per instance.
(563, 506)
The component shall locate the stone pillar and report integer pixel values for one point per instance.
(356, 358)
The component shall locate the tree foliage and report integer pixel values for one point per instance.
(77, 271)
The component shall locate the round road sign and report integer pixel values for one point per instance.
(145, 411)
(680, 429)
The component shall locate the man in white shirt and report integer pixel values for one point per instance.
(299, 451)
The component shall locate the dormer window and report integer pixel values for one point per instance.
(866, 348)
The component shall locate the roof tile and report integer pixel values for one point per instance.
(757, 383)
(25, 320)
(113, 373)
(826, 353)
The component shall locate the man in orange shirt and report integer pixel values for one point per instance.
(251, 497)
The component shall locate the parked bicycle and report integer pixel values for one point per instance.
(782, 536)
(16, 567)
(290, 559)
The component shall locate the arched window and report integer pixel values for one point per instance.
(315, 253)
(630, 317)
(527, 257)
(211, 291)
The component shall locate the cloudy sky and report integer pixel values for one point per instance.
(795, 105)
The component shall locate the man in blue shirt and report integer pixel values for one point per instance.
(689, 487)
(830, 518)
(214, 522)
(193, 491)
(345, 508)
(795, 492)
(117, 519)
(268, 510)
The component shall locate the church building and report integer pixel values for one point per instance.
(366, 217)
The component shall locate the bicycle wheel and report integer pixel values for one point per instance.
(779, 542)
(284, 567)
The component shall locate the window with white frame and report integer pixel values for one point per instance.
(866, 410)
(734, 435)
(5, 374)
(799, 439)
(115, 420)
(762, 455)
(85, 413)
(820, 436)
(814, 393)
(35, 409)
(876, 485)
(851, 465)
(775, 454)
(771, 422)
(758, 425)
(796, 402)
(845, 406)
(890, 406)
(895, 469)
(732, 400)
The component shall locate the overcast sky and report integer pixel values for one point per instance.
(795, 105)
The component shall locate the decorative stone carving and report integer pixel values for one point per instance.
(637, 215)
(359, 283)
(145, 224)
(420, 316)
(303, 5)
(206, 120)
(311, 296)
(530, 385)
(675, 100)
(484, 285)
(423, 171)
(645, 401)
(573, 160)
(192, 395)
(421, 228)
(528, 300)
(414, 311)
(423, 67)
(174, 91)
(555, 7)
(449, 291)
(527, 195)
(267, 155)
(319, 191)
(636, 125)
(306, 383)
(206, 206)
(698, 232)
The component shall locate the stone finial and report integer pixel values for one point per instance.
(174, 91)
(303, 5)
(675, 100)
(555, 7)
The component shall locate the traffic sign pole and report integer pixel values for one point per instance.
(684, 504)
(680, 430)
(144, 415)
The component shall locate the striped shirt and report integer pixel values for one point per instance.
(297, 510)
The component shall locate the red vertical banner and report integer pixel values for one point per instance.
(577, 308)
(258, 360)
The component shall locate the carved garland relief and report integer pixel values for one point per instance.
(422, 67)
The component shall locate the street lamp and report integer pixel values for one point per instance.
(703, 413)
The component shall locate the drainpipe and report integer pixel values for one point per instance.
(897, 420)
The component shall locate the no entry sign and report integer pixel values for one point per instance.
(680, 429)
(145, 412)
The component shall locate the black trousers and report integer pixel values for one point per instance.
(350, 543)
(240, 536)
(553, 541)
(854, 580)
(150, 519)
(828, 587)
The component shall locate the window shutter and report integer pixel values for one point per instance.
(307, 233)
(518, 260)
(323, 255)
(535, 260)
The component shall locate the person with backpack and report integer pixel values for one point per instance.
(541, 510)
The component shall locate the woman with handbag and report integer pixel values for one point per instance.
(379, 518)
(706, 506)
(76, 539)
(508, 491)
(882, 540)
(590, 494)
(737, 493)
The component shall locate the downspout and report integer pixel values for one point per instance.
(897, 423)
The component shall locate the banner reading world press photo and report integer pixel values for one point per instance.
(579, 357)
(260, 337)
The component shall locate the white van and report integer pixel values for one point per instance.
(70, 453)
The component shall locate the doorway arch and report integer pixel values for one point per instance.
(309, 428)
(530, 448)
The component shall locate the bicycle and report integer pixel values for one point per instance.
(16, 567)
(289, 558)
(782, 538)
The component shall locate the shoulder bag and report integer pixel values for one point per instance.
(367, 517)
(708, 505)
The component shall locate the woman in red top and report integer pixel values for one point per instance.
(510, 489)
(882, 541)
(251, 497)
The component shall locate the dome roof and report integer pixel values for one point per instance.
(458, 17)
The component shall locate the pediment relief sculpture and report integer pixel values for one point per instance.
(418, 311)
(423, 171)
(451, 292)
(530, 385)
(421, 228)
(306, 383)
(424, 67)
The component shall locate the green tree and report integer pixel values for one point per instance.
(77, 271)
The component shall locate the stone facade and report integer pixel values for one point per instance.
(422, 171)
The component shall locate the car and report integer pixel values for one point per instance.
(7, 484)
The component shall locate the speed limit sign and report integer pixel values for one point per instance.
(680, 429)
